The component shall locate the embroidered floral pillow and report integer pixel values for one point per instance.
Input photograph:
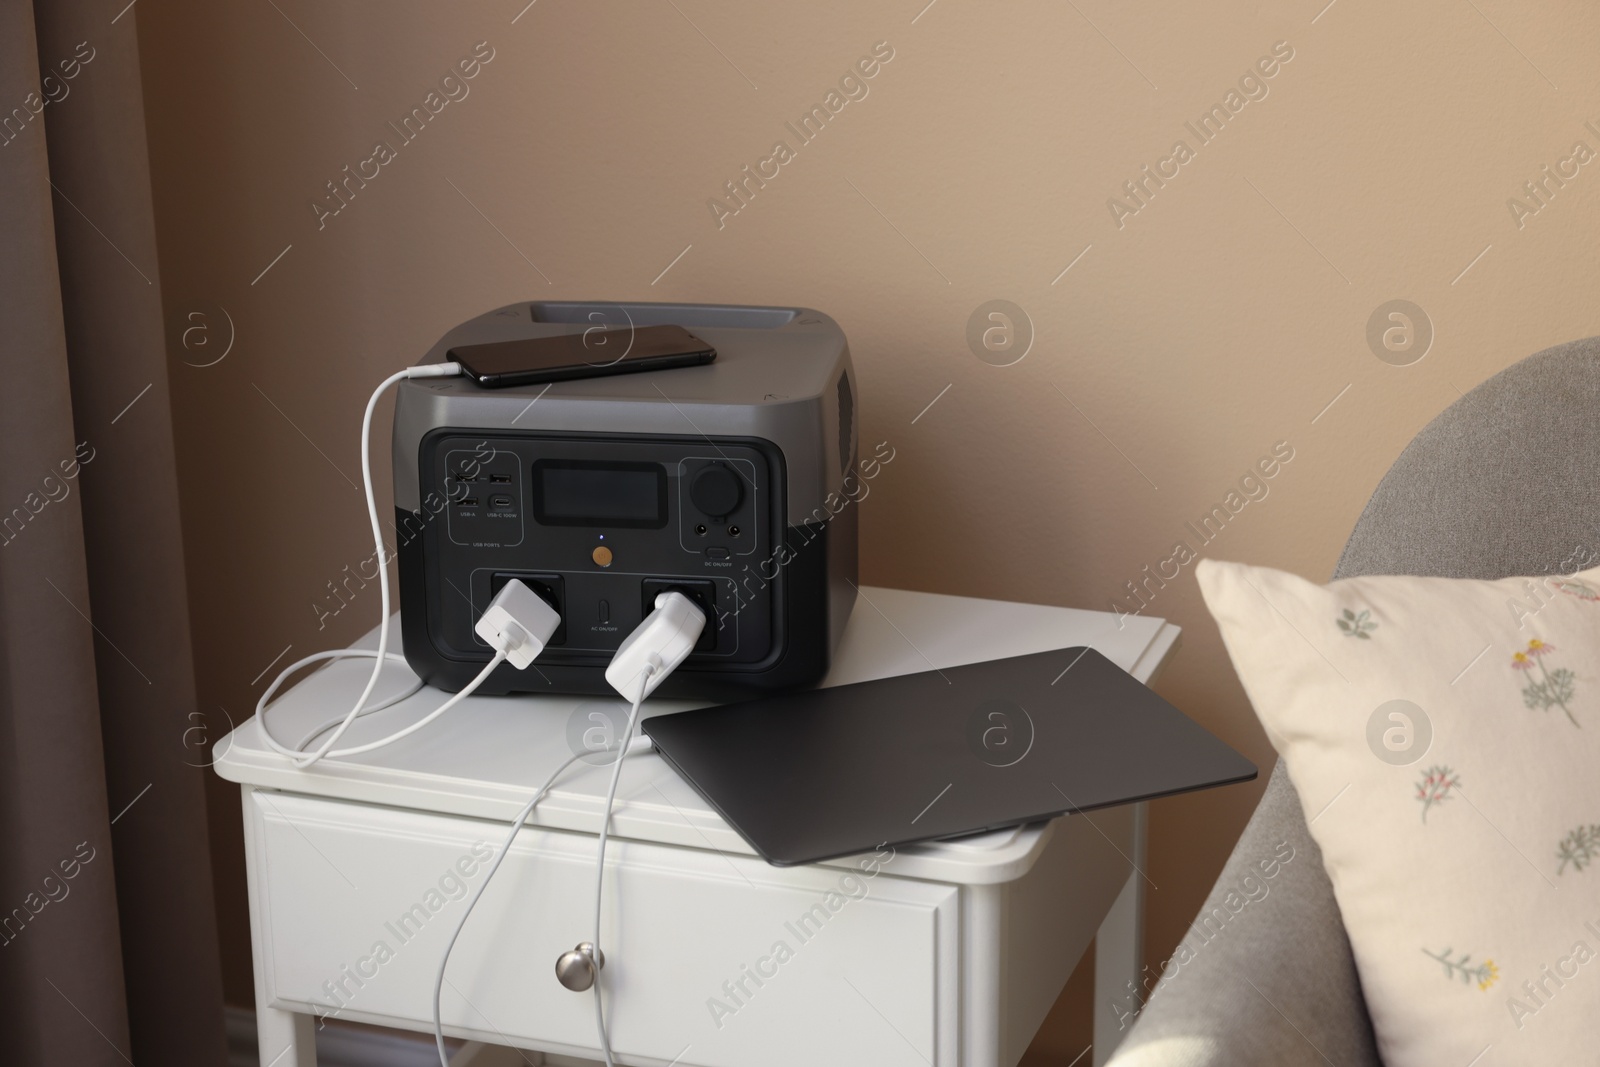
(1444, 737)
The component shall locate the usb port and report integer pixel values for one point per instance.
(467, 502)
(500, 479)
(463, 476)
(500, 501)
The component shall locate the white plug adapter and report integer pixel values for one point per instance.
(661, 642)
(519, 623)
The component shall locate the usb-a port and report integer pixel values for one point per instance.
(500, 479)
(467, 502)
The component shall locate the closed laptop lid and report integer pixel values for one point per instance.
(830, 772)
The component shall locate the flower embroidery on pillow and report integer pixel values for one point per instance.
(1483, 973)
(1573, 587)
(1579, 848)
(1554, 688)
(1353, 625)
(1435, 787)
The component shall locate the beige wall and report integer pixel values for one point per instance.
(1214, 322)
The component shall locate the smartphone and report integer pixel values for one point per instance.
(590, 354)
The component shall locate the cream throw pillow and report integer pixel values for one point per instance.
(1444, 737)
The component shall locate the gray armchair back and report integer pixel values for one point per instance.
(1505, 481)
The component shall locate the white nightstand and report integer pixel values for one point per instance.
(953, 956)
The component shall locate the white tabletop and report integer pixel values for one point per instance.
(485, 757)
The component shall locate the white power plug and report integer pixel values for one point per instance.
(661, 642)
(519, 623)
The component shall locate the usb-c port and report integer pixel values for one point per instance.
(467, 502)
(500, 501)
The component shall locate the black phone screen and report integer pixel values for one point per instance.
(591, 353)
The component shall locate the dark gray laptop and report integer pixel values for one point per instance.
(831, 772)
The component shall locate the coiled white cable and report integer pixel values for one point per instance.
(382, 655)
(349, 653)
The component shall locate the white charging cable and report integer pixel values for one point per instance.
(644, 660)
(343, 653)
(505, 847)
(382, 655)
(595, 958)
(637, 745)
(517, 624)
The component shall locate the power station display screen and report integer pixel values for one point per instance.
(584, 493)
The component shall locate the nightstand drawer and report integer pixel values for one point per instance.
(712, 959)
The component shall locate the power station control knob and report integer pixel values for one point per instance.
(716, 490)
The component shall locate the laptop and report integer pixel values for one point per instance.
(823, 773)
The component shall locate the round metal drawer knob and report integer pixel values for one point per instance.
(577, 969)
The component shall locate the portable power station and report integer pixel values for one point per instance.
(730, 482)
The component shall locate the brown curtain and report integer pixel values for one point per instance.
(108, 946)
